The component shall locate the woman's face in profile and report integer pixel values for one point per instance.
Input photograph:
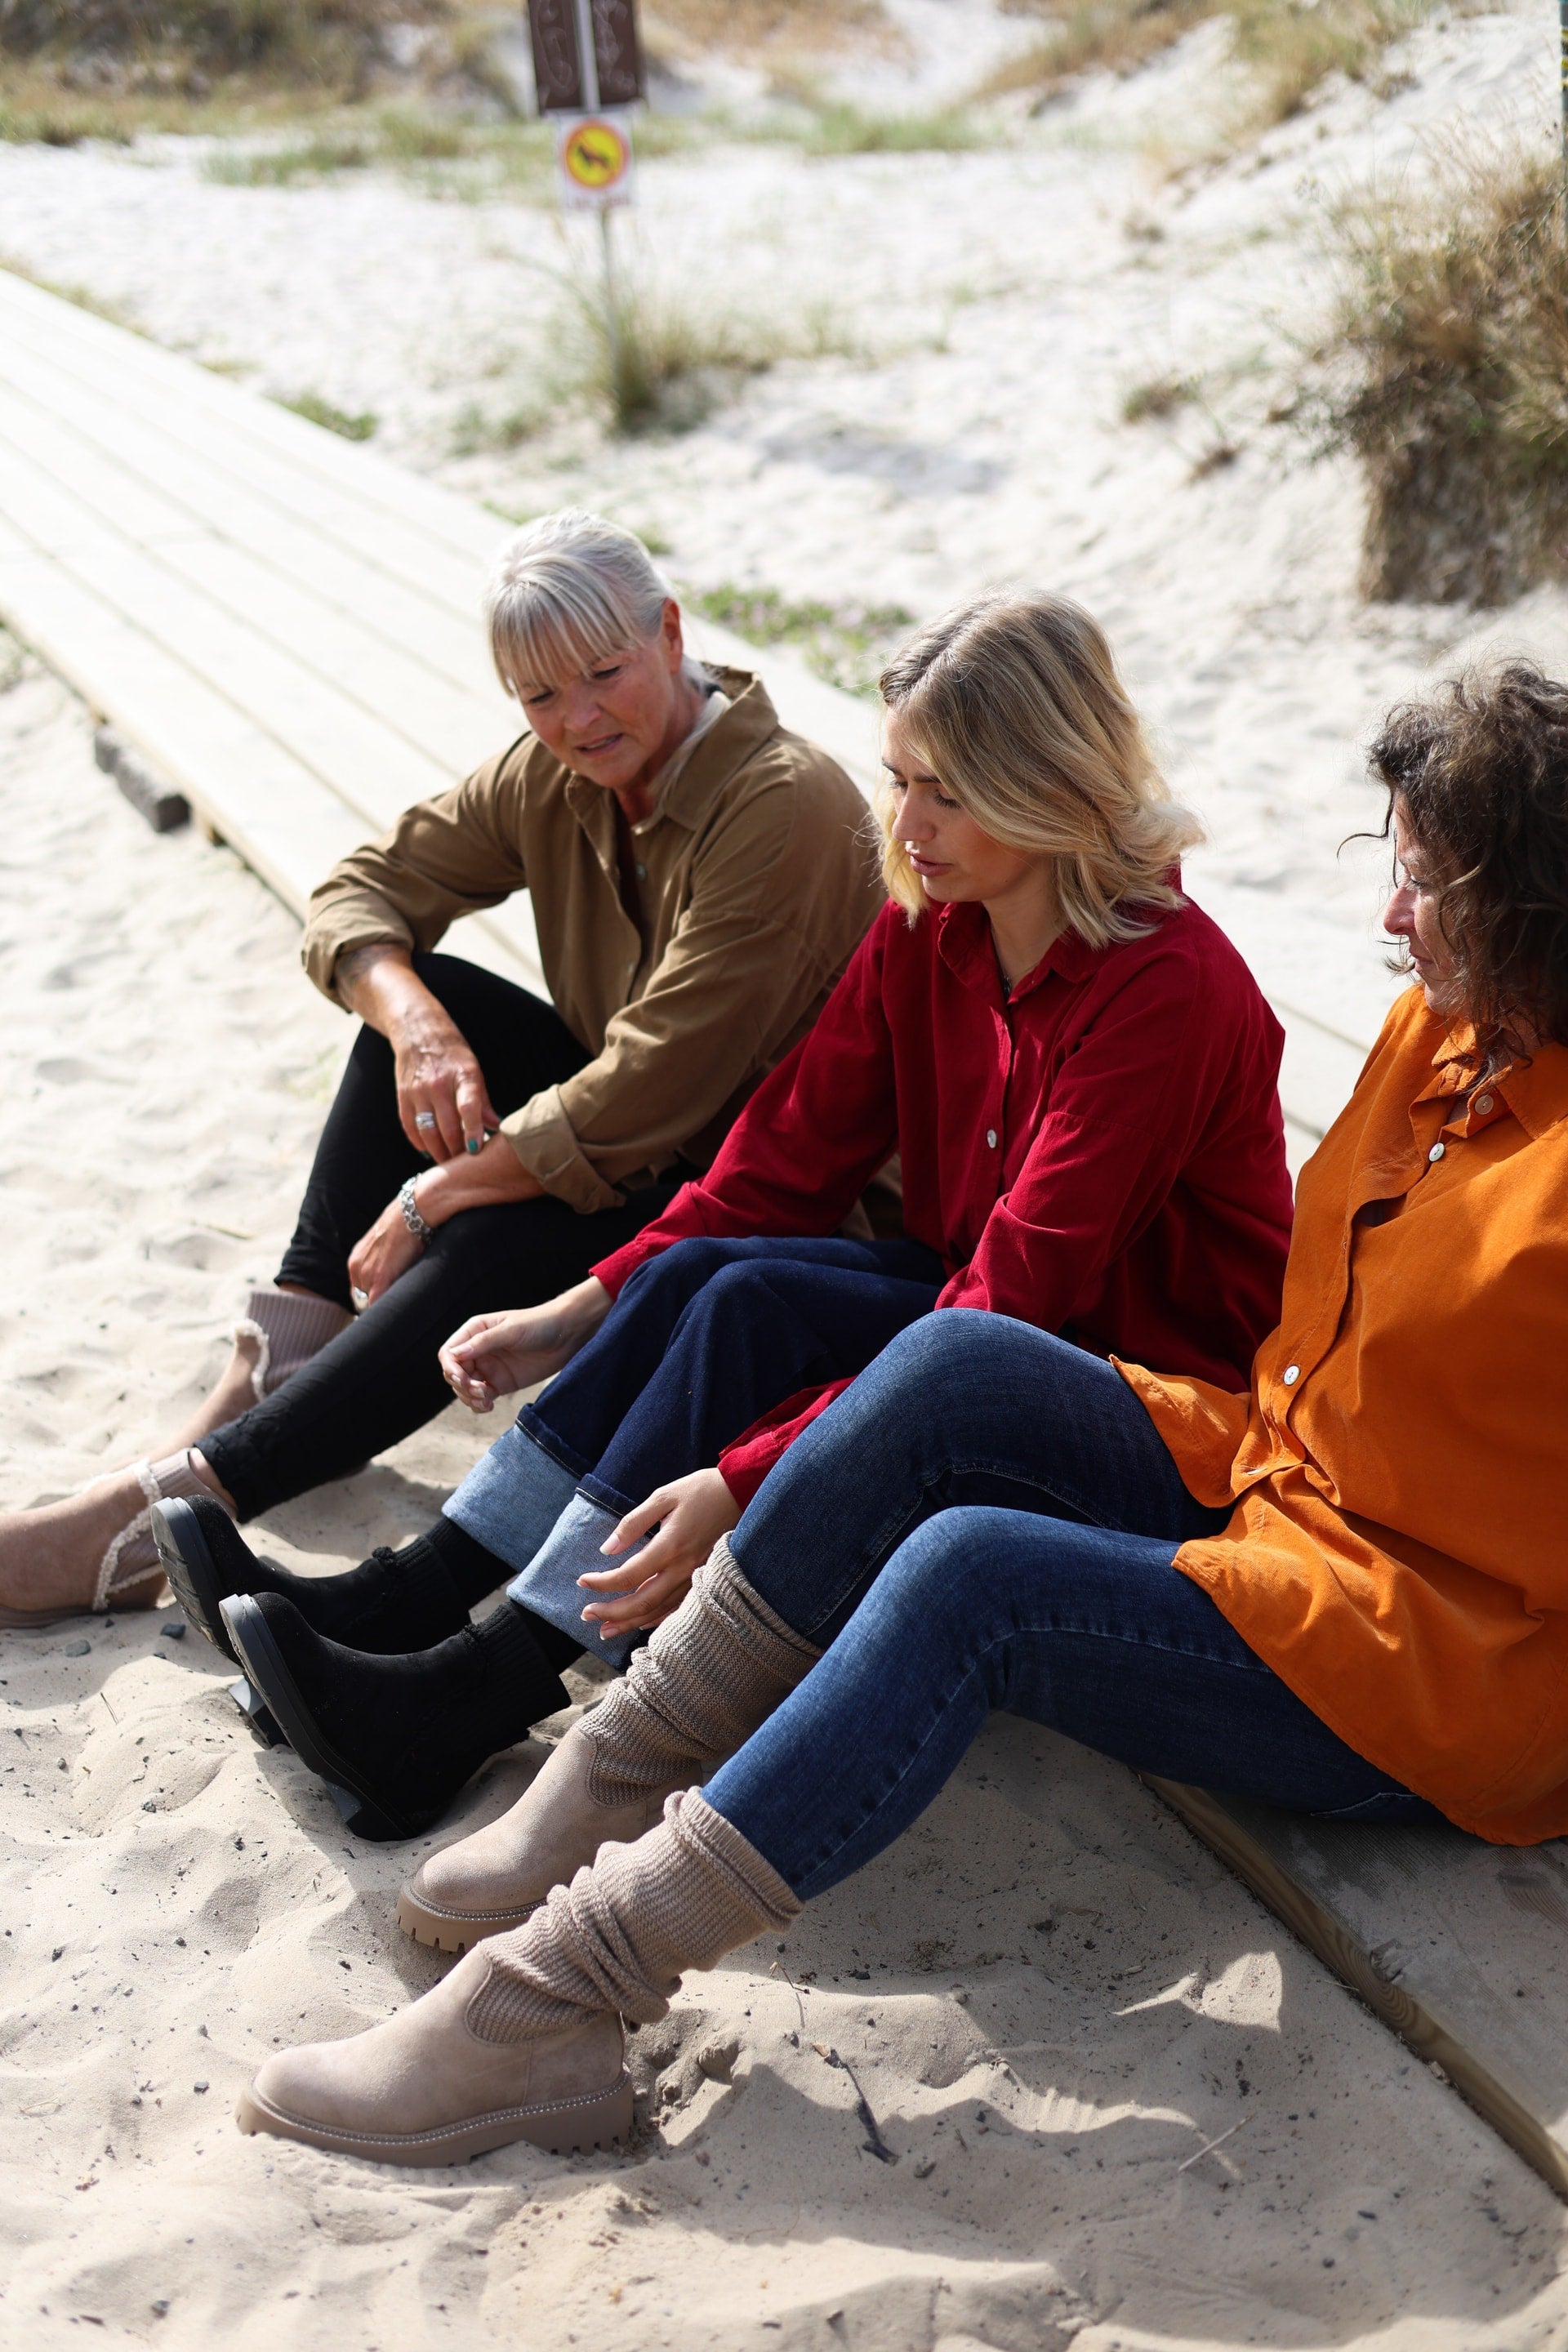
(953, 858)
(1411, 915)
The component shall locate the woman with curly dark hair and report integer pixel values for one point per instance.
(1344, 1591)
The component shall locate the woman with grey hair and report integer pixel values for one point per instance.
(700, 881)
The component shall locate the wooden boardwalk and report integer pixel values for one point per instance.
(287, 627)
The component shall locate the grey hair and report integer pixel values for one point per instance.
(567, 591)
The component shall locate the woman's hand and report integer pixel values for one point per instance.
(494, 1355)
(378, 1258)
(690, 1514)
(439, 1079)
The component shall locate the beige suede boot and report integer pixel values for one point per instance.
(523, 2039)
(708, 1676)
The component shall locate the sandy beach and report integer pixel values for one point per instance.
(1115, 2103)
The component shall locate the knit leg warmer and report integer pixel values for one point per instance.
(132, 1555)
(621, 1935)
(710, 1674)
(291, 1328)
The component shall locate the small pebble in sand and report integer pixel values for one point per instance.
(77, 1649)
(173, 1631)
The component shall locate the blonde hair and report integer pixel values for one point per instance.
(1015, 704)
(568, 590)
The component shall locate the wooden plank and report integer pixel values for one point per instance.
(100, 353)
(1460, 1945)
(326, 500)
(454, 729)
(152, 487)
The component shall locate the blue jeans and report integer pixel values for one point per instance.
(703, 1339)
(988, 1521)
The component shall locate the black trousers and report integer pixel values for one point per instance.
(380, 1380)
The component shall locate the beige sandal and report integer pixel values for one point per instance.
(131, 1557)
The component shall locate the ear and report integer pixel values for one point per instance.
(671, 636)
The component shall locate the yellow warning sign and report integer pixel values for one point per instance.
(594, 154)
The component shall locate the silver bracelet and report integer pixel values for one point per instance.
(411, 1217)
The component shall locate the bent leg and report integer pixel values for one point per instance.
(702, 1340)
(1093, 1634)
(523, 1045)
(962, 1408)
(380, 1380)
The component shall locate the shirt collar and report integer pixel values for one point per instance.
(965, 945)
(1535, 1091)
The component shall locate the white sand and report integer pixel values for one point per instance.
(1044, 2086)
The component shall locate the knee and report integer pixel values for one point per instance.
(938, 1350)
(940, 1574)
(679, 1272)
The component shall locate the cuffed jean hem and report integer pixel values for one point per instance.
(548, 1587)
(512, 1499)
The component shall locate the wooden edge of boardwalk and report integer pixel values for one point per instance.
(1452, 2032)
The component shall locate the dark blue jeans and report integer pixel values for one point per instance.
(710, 1335)
(988, 1521)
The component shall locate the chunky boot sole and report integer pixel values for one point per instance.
(564, 2127)
(364, 1812)
(186, 1560)
(455, 1931)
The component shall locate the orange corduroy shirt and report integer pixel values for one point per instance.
(1399, 1550)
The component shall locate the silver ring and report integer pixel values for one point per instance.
(424, 1118)
(360, 1298)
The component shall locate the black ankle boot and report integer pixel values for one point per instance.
(392, 1602)
(395, 1737)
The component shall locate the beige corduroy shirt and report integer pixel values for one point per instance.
(757, 883)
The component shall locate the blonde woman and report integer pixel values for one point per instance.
(1078, 1076)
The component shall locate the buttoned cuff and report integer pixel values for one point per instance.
(545, 1140)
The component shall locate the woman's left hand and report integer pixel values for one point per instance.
(378, 1258)
(690, 1514)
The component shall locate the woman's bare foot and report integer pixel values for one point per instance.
(50, 1558)
(233, 1394)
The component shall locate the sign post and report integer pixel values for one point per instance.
(588, 71)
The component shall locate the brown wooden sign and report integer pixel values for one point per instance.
(562, 85)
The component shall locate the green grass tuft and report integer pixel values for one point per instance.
(847, 644)
(317, 411)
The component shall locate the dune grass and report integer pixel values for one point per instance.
(344, 422)
(848, 643)
(673, 356)
(1447, 376)
(328, 43)
(1287, 48)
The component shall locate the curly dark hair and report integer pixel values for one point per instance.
(1481, 767)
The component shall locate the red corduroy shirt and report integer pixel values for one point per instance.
(1101, 1153)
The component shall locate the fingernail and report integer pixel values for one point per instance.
(473, 1143)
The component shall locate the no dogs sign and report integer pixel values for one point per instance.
(594, 159)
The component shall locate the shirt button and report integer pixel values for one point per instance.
(1483, 1104)
(991, 1137)
(1437, 1151)
(1291, 1375)
(642, 873)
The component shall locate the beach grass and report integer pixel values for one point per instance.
(847, 643)
(1447, 374)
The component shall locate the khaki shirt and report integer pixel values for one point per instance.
(757, 884)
